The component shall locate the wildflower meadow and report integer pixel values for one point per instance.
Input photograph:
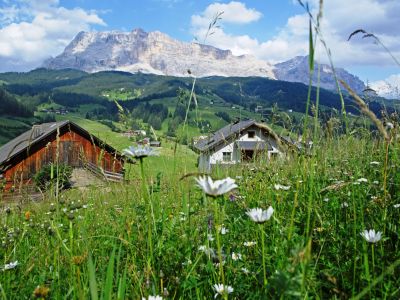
(333, 232)
(316, 224)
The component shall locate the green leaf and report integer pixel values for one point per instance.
(92, 279)
(122, 285)
(107, 295)
(311, 49)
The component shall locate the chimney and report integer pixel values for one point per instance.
(36, 131)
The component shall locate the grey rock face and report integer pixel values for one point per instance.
(156, 53)
(297, 70)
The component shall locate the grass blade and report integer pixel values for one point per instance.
(122, 285)
(107, 294)
(92, 279)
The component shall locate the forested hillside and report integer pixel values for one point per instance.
(159, 101)
(10, 106)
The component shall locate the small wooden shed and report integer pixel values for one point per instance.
(63, 142)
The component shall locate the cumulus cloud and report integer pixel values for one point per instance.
(232, 13)
(32, 31)
(389, 87)
(340, 18)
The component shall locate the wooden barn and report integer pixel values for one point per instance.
(64, 142)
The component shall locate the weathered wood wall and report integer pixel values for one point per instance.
(71, 148)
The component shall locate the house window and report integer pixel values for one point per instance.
(251, 134)
(226, 156)
(273, 155)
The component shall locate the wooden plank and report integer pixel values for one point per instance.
(109, 176)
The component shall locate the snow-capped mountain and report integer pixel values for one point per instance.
(388, 88)
(156, 53)
(297, 70)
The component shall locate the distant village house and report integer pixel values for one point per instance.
(155, 144)
(133, 133)
(236, 143)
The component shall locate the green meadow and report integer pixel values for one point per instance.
(160, 234)
(321, 223)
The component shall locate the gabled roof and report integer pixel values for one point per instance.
(27, 139)
(227, 133)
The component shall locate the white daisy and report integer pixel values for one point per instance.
(236, 256)
(216, 188)
(139, 152)
(223, 230)
(260, 216)
(11, 265)
(371, 236)
(222, 289)
(281, 187)
(153, 298)
(249, 244)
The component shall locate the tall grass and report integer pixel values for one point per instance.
(313, 246)
(128, 241)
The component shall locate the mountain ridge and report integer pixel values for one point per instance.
(157, 53)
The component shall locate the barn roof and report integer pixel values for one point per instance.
(31, 137)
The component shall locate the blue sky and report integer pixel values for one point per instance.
(174, 17)
(273, 30)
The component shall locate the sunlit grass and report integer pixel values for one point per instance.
(95, 241)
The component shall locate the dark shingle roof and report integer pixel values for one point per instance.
(27, 139)
(222, 135)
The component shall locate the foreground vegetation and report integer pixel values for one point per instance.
(329, 220)
(166, 237)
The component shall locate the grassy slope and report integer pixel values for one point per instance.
(11, 127)
(165, 163)
(313, 247)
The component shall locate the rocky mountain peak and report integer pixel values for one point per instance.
(157, 53)
(153, 52)
(297, 70)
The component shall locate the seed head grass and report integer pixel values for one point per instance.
(94, 242)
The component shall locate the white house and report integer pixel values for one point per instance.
(239, 142)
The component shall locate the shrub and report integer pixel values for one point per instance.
(224, 116)
(49, 174)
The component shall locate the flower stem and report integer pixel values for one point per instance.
(148, 204)
(373, 261)
(219, 249)
(263, 254)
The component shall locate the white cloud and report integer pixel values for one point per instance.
(233, 12)
(340, 18)
(34, 30)
(389, 87)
